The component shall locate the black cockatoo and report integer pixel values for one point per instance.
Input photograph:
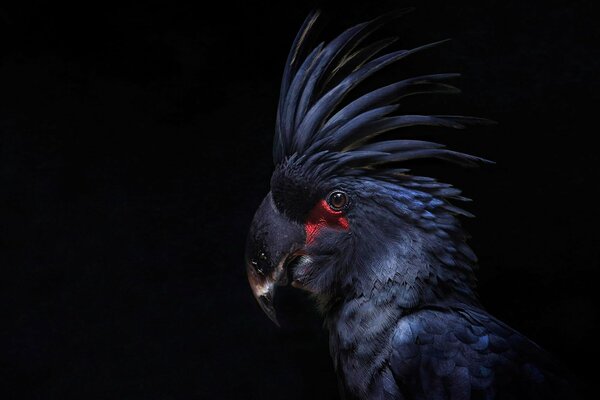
(381, 250)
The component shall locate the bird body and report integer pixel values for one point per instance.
(382, 251)
(437, 352)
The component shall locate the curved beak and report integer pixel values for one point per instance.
(272, 244)
(263, 288)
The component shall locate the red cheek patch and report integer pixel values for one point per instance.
(323, 216)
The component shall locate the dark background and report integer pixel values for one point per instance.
(135, 147)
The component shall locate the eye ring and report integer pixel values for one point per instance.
(337, 200)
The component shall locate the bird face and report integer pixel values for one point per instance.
(293, 239)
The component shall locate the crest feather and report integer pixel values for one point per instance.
(311, 126)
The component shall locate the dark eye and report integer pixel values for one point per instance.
(337, 200)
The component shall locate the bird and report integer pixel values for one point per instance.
(381, 250)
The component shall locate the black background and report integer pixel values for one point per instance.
(135, 147)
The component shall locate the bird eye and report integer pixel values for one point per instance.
(337, 200)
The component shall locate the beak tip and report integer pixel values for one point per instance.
(266, 303)
(263, 288)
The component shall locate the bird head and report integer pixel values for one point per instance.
(341, 217)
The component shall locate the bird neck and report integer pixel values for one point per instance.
(413, 264)
(360, 338)
(413, 267)
(361, 328)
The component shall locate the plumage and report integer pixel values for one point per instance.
(382, 251)
(355, 60)
(391, 93)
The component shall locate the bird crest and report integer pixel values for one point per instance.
(314, 131)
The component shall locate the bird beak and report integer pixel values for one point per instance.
(273, 242)
(264, 286)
